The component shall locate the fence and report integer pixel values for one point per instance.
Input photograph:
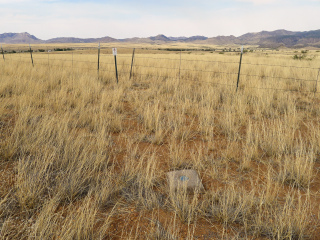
(217, 69)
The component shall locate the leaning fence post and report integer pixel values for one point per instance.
(132, 63)
(316, 87)
(114, 50)
(2, 53)
(98, 60)
(239, 67)
(31, 55)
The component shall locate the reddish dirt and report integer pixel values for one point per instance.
(129, 219)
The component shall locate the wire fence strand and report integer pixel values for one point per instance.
(186, 74)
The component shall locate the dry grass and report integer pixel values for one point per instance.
(85, 158)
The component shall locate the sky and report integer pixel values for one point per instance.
(144, 18)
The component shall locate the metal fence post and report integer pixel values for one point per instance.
(98, 60)
(132, 63)
(2, 53)
(239, 68)
(31, 55)
(114, 50)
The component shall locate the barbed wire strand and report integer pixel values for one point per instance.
(193, 60)
(142, 66)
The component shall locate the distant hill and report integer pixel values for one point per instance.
(195, 38)
(81, 40)
(156, 39)
(18, 38)
(177, 38)
(255, 38)
(222, 40)
(273, 39)
(160, 37)
(297, 39)
(269, 39)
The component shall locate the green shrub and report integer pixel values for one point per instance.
(299, 57)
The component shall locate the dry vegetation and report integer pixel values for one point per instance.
(85, 158)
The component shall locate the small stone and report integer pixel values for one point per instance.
(184, 178)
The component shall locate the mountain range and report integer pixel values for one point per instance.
(266, 39)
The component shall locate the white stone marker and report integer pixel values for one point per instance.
(184, 178)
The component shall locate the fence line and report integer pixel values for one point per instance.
(182, 69)
(166, 68)
(192, 60)
(101, 63)
(166, 77)
(282, 66)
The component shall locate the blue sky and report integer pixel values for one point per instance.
(141, 18)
